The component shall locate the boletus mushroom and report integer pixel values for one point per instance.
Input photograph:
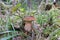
(28, 23)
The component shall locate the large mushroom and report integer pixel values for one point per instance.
(28, 23)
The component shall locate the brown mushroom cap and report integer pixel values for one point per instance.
(29, 18)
